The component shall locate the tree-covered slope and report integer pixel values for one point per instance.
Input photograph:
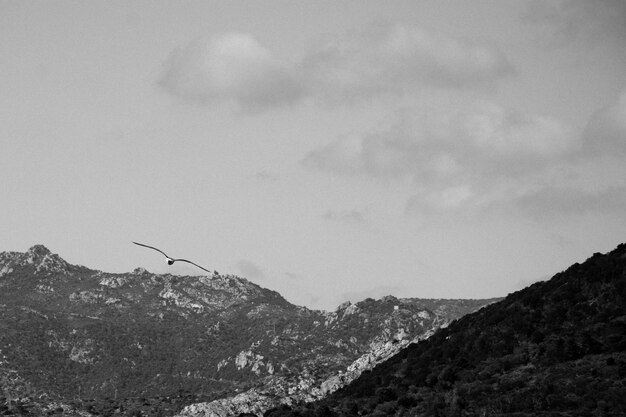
(555, 348)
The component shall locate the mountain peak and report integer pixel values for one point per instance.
(39, 250)
(38, 256)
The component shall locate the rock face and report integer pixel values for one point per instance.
(280, 391)
(38, 260)
(68, 331)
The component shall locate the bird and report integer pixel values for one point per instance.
(170, 261)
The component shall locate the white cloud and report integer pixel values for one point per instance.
(605, 133)
(394, 59)
(232, 67)
(448, 140)
(382, 60)
(457, 154)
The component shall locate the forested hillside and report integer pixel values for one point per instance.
(555, 348)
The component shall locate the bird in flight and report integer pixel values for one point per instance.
(170, 260)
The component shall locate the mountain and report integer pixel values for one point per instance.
(77, 341)
(556, 348)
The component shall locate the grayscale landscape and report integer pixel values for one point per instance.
(312, 208)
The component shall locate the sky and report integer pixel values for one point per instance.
(327, 150)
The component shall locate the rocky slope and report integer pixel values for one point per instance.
(556, 348)
(278, 391)
(117, 343)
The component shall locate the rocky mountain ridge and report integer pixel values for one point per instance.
(73, 334)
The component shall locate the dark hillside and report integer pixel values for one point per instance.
(556, 348)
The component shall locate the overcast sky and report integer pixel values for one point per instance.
(328, 150)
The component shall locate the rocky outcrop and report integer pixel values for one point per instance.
(251, 402)
(38, 258)
(282, 391)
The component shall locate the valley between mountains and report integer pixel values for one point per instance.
(81, 342)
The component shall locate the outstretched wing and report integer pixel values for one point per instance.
(193, 263)
(152, 247)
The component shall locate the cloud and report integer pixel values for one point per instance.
(455, 155)
(572, 21)
(250, 270)
(605, 133)
(393, 59)
(345, 216)
(382, 60)
(232, 67)
(447, 141)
